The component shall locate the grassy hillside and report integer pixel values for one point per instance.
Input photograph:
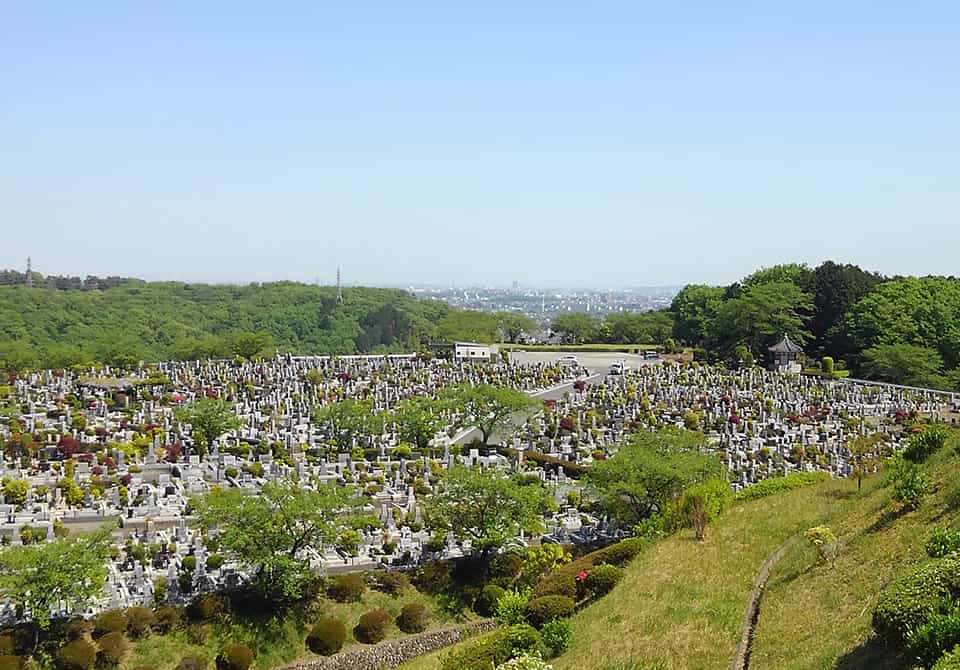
(682, 601)
(815, 616)
(158, 320)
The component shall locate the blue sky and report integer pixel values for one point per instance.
(576, 144)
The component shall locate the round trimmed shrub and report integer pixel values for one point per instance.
(327, 636)
(140, 622)
(77, 628)
(168, 619)
(76, 655)
(113, 647)
(393, 583)
(192, 663)
(10, 662)
(207, 608)
(347, 588)
(547, 608)
(601, 580)
(413, 618)
(214, 562)
(618, 554)
(113, 621)
(560, 582)
(372, 627)
(235, 656)
(486, 602)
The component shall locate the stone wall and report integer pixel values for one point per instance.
(392, 653)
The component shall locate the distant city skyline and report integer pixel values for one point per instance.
(564, 144)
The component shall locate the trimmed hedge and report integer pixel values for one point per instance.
(601, 580)
(10, 662)
(912, 600)
(563, 580)
(347, 588)
(168, 619)
(76, 655)
(413, 618)
(235, 656)
(486, 603)
(547, 608)
(113, 621)
(113, 647)
(140, 622)
(327, 636)
(774, 485)
(393, 583)
(372, 627)
(492, 649)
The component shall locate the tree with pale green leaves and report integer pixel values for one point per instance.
(209, 418)
(65, 573)
(418, 419)
(347, 420)
(488, 408)
(486, 506)
(268, 532)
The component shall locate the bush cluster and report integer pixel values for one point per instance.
(372, 627)
(485, 603)
(601, 580)
(912, 600)
(557, 636)
(112, 648)
(76, 655)
(541, 610)
(327, 636)
(10, 662)
(347, 588)
(492, 649)
(192, 663)
(925, 443)
(413, 618)
(774, 485)
(112, 621)
(168, 619)
(942, 541)
(563, 580)
(207, 608)
(235, 656)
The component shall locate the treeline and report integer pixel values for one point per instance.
(654, 327)
(902, 330)
(136, 320)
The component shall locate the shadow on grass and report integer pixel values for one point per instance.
(874, 655)
(840, 494)
(887, 518)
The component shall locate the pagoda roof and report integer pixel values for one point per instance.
(786, 346)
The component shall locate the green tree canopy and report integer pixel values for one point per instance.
(345, 421)
(486, 506)
(267, 532)
(695, 310)
(515, 324)
(650, 470)
(576, 327)
(486, 407)
(762, 314)
(66, 572)
(903, 364)
(418, 419)
(209, 418)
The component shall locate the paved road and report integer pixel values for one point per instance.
(595, 361)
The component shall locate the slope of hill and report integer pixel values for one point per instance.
(154, 320)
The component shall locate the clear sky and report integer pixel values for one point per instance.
(555, 143)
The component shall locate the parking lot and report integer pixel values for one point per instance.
(595, 361)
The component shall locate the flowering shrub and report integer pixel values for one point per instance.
(530, 661)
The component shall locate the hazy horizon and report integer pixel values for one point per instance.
(562, 145)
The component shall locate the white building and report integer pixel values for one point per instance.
(473, 351)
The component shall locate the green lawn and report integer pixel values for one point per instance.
(816, 616)
(681, 603)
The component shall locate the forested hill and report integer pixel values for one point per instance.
(902, 329)
(135, 320)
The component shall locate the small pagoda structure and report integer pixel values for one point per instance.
(786, 355)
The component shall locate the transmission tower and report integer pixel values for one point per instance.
(29, 273)
(339, 288)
